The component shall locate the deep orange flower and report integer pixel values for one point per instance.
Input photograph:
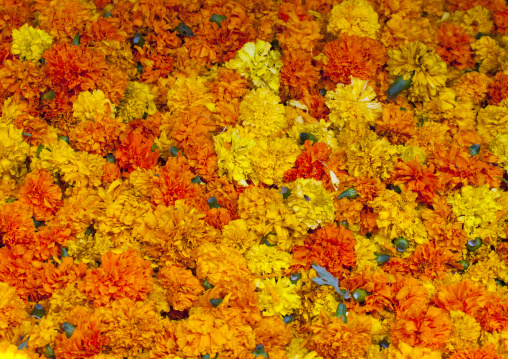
(226, 194)
(273, 332)
(124, 275)
(498, 89)
(48, 278)
(331, 247)
(493, 317)
(41, 194)
(298, 72)
(427, 327)
(22, 78)
(218, 217)
(160, 66)
(16, 224)
(315, 103)
(286, 9)
(110, 172)
(48, 241)
(103, 29)
(86, 340)
(492, 5)
(465, 296)
(501, 21)
(17, 271)
(396, 124)
(353, 55)
(229, 85)
(488, 351)
(454, 46)
(429, 261)
(417, 178)
(99, 136)
(35, 126)
(135, 151)
(298, 35)
(408, 294)
(65, 19)
(182, 287)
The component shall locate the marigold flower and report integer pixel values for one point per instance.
(13, 150)
(422, 65)
(465, 296)
(12, 310)
(229, 85)
(454, 47)
(417, 178)
(429, 261)
(472, 86)
(406, 351)
(29, 43)
(259, 63)
(396, 124)
(123, 275)
(40, 194)
(236, 234)
(188, 92)
(400, 29)
(298, 34)
(354, 17)
(488, 351)
(11, 351)
(298, 73)
(487, 54)
(475, 20)
(498, 89)
(138, 100)
(465, 331)
(90, 104)
(353, 55)
(64, 19)
(273, 332)
(263, 259)
(135, 151)
(182, 288)
(277, 297)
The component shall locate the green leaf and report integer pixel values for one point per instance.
(68, 329)
(401, 244)
(184, 30)
(24, 343)
(140, 68)
(174, 152)
(288, 319)
(212, 202)
(295, 277)
(341, 312)
(64, 138)
(286, 192)
(50, 95)
(216, 302)
(398, 86)
(260, 350)
(110, 158)
(10, 200)
(344, 224)
(474, 150)
(382, 258)
(304, 136)
(154, 147)
(474, 244)
(138, 40)
(325, 278)
(75, 41)
(384, 344)
(465, 264)
(196, 179)
(37, 223)
(38, 311)
(64, 252)
(218, 19)
(349, 193)
(49, 352)
(39, 150)
(108, 14)
(267, 242)
(27, 134)
(207, 285)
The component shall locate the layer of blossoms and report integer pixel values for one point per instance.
(253, 179)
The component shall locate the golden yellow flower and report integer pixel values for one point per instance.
(487, 54)
(364, 250)
(295, 351)
(327, 304)
(409, 153)
(90, 104)
(487, 270)
(189, 92)
(271, 158)
(320, 129)
(278, 296)
(10, 351)
(465, 331)
(500, 340)
(427, 69)
(311, 203)
(499, 147)
(83, 170)
(475, 20)
(11, 109)
(263, 259)
(12, 309)
(89, 249)
(29, 43)
(353, 103)
(262, 113)
(237, 234)
(493, 121)
(406, 351)
(259, 63)
(13, 150)
(138, 100)
(45, 332)
(354, 17)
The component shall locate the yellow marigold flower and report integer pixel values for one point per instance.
(45, 332)
(189, 92)
(500, 340)
(487, 54)
(371, 158)
(263, 259)
(90, 104)
(52, 157)
(295, 351)
(406, 351)
(138, 100)
(409, 153)
(83, 170)
(327, 303)
(427, 69)
(64, 300)
(499, 147)
(492, 121)
(29, 43)
(262, 113)
(475, 207)
(319, 129)
(487, 270)
(12, 309)
(271, 158)
(364, 250)
(465, 331)
(10, 351)
(475, 20)
(354, 17)
(10, 111)
(13, 150)
(311, 203)
(278, 296)
(237, 234)
(353, 103)
(259, 63)
(232, 148)
(129, 326)
(89, 249)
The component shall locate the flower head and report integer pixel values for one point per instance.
(29, 43)
(138, 100)
(406, 351)
(13, 150)
(90, 104)
(263, 259)
(40, 194)
(278, 296)
(182, 287)
(354, 17)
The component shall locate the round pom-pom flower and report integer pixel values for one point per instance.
(354, 17)
(29, 43)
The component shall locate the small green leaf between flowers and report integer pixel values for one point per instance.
(341, 312)
(24, 343)
(68, 329)
(325, 278)
(184, 30)
(110, 158)
(295, 277)
(260, 350)
(398, 86)
(286, 192)
(75, 41)
(64, 252)
(27, 134)
(207, 285)
(304, 136)
(50, 95)
(212, 203)
(218, 19)
(216, 302)
(38, 311)
(138, 40)
(382, 258)
(64, 138)
(349, 193)
(49, 352)
(474, 150)
(196, 179)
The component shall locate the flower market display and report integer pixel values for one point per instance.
(277, 179)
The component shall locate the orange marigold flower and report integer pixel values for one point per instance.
(86, 340)
(298, 73)
(228, 85)
(48, 278)
(17, 271)
(408, 294)
(99, 136)
(182, 287)
(12, 310)
(397, 124)
(501, 21)
(22, 78)
(273, 332)
(333, 339)
(331, 247)
(35, 126)
(65, 19)
(298, 34)
(472, 86)
(41, 194)
(135, 151)
(498, 89)
(110, 172)
(286, 9)
(353, 55)
(427, 327)
(429, 261)
(493, 317)
(465, 296)
(16, 224)
(454, 46)
(124, 275)
(218, 217)
(418, 178)
(48, 240)
(315, 103)
(487, 352)
(75, 68)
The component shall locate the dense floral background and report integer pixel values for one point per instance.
(188, 179)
